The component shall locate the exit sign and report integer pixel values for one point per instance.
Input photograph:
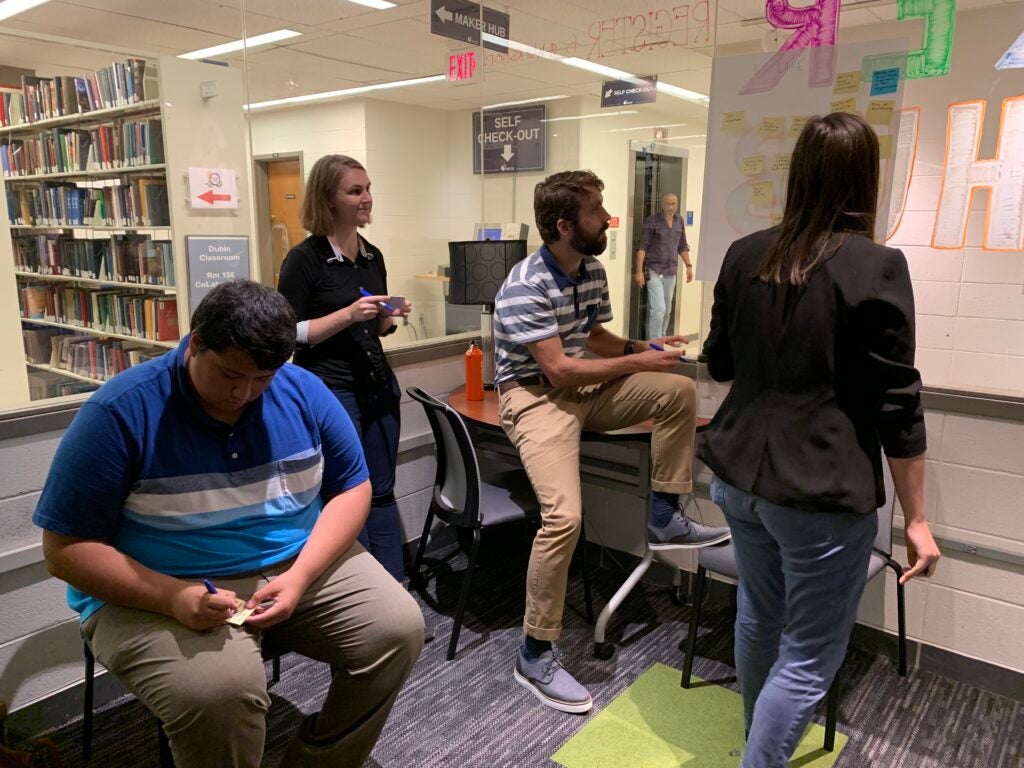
(462, 67)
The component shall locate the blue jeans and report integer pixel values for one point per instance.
(660, 292)
(801, 575)
(377, 421)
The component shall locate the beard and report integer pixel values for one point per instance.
(589, 245)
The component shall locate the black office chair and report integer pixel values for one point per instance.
(722, 560)
(166, 760)
(461, 499)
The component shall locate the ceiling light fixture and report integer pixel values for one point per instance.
(682, 93)
(14, 7)
(587, 117)
(644, 127)
(345, 92)
(237, 45)
(525, 101)
(600, 69)
(380, 5)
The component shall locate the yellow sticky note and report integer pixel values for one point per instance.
(753, 165)
(845, 105)
(780, 163)
(797, 125)
(241, 613)
(885, 146)
(775, 218)
(734, 122)
(880, 111)
(761, 193)
(847, 82)
(772, 127)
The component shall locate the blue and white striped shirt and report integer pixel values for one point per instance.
(146, 468)
(538, 301)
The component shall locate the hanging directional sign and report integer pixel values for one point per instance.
(463, 21)
(509, 140)
(635, 90)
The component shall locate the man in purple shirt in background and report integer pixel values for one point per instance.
(663, 239)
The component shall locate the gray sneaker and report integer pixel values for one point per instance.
(682, 532)
(548, 680)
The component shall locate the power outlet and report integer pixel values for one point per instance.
(613, 241)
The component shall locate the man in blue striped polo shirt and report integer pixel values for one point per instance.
(551, 308)
(215, 472)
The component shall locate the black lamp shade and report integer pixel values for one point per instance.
(477, 268)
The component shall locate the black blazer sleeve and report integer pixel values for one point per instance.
(718, 347)
(888, 320)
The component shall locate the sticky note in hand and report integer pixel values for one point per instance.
(241, 613)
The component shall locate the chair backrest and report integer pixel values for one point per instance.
(457, 482)
(883, 539)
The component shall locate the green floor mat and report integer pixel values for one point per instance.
(656, 724)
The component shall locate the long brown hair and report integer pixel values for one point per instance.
(832, 190)
(324, 178)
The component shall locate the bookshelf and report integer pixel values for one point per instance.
(94, 212)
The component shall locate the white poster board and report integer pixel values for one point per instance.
(752, 132)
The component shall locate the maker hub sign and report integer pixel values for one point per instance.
(509, 140)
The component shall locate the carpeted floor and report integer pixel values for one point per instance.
(469, 713)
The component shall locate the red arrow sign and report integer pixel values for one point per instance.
(210, 197)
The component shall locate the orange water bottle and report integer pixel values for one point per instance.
(474, 372)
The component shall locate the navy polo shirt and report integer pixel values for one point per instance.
(146, 468)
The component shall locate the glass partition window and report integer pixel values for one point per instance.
(123, 161)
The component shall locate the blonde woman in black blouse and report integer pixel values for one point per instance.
(337, 283)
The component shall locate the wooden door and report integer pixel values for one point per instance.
(284, 186)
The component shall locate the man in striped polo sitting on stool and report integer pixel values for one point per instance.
(551, 308)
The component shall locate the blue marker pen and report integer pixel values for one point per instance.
(209, 587)
(660, 348)
(388, 307)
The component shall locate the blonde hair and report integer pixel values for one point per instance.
(324, 178)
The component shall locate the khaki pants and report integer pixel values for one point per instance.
(209, 688)
(545, 424)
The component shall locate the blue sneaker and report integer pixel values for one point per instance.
(682, 532)
(549, 681)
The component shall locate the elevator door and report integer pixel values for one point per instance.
(655, 174)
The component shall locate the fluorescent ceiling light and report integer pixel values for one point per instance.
(380, 5)
(600, 69)
(682, 93)
(487, 37)
(525, 101)
(587, 117)
(237, 45)
(644, 127)
(345, 92)
(14, 7)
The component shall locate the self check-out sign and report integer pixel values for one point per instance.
(509, 140)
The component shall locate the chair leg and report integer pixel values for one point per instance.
(90, 670)
(275, 669)
(901, 616)
(464, 597)
(588, 603)
(831, 714)
(166, 758)
(414, 576)
(691, 638)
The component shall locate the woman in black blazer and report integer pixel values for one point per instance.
(814, 324)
